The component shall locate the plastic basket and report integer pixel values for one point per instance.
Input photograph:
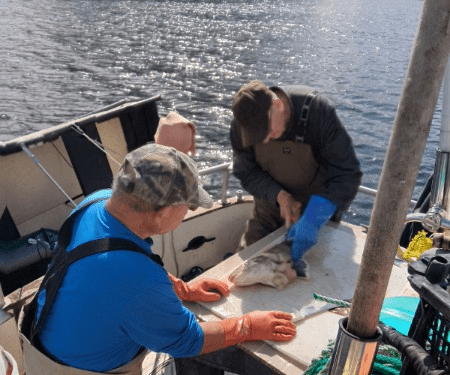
(431, 323)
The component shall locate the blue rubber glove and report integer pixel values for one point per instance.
(304, 232)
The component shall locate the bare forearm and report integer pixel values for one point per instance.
(214, 338)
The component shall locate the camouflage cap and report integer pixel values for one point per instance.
(162, 176)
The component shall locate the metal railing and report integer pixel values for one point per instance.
(226, 169)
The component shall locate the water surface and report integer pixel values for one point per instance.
(62, 59)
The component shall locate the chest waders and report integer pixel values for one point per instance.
(37, 360)
(292, 164)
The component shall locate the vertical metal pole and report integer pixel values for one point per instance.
(444, 137)
(407, 143)
(2, 298)
(225, 180)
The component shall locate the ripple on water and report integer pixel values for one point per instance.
(64, 59)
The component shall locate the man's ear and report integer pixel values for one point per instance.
(278, 104)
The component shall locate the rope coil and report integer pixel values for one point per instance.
(387, 361)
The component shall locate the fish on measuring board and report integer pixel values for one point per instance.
(273, 267)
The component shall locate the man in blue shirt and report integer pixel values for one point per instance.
(116, 300)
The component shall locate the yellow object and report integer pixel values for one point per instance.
(419, 244)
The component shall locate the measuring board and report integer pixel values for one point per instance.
(334, 265)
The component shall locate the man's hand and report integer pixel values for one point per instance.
(203, 290)
(304, 232)
(289, 207)
(258, 325)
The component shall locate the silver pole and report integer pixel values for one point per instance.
(36, 160)
(2, 298)
(412, 123)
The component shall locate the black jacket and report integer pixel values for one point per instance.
(331, 145)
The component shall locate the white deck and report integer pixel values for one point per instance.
(334, 265)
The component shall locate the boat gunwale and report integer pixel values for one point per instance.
(50, 134)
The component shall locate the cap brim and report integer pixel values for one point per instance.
(204, 199)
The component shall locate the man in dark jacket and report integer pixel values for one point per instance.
(291, 152)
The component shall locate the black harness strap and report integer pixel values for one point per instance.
(108, 244)
(63, 259)
(65, 232)
(304, 114)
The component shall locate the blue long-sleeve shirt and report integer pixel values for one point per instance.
(110, 305)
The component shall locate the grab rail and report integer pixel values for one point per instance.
(226, 169)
